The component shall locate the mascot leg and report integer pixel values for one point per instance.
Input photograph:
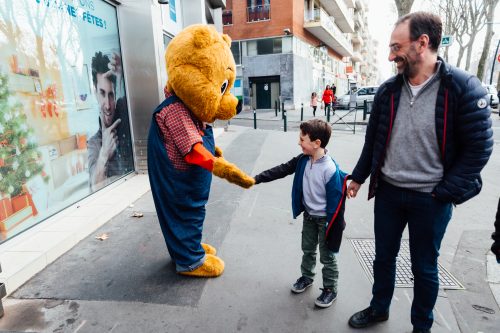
(209, 249)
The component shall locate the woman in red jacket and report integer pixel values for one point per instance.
(327, 98)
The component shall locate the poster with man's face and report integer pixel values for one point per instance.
(62, 100)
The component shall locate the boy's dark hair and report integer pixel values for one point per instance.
(317, 129)
(100, 66)
(424, 23)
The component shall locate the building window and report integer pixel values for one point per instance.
(264, 46)
(235, 49)
(258, 10)
(227, 17)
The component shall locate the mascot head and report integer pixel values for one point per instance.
(201, 72)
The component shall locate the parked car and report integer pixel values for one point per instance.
(362, 94)
(492, 95)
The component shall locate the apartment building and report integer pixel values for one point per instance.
(287, 49)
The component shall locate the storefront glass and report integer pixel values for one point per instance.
(64, 124)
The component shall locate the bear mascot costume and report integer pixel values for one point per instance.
(182, 155)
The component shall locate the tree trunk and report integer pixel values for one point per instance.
(490, 15)
(460, 55)
(404, 6)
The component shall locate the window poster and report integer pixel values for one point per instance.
(64, 124)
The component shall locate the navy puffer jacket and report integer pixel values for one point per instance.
(463, 128)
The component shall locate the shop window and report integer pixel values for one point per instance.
(66, 92)
(269, 46)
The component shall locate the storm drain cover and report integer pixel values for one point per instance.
(365, 251)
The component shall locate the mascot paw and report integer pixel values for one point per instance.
(212, 267)
(218, 152)
(209, 249)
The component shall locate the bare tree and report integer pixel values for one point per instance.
(477, 14)
(404, 6)
(490, 15)
(8, 25)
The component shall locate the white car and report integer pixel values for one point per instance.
(362, 94)
(492, 95)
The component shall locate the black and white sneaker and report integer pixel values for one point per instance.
(302, 284)
(326, 298)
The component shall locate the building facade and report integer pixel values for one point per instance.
(285, 49)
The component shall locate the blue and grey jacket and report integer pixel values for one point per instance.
(335, 193)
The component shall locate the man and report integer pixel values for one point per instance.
(428, 138)
(110, 151)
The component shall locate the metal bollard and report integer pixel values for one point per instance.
(301, 111)
(276, 108)
(365, 109)
(254, 119)
(282, 109)
(328, 114)
(284, 119)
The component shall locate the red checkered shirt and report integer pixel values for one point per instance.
(180, 131)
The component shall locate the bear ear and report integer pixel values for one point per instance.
(227, 39)
(203, 37)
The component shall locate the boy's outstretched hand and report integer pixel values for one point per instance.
(353, 189)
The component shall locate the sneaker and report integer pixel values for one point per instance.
(302, 284)
(367, 317)
(326, 298)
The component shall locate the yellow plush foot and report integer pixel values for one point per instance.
(209, 249)
(212, 267)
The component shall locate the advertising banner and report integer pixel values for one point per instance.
(64, 124)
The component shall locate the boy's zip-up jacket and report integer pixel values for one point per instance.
(463, 129)
(335, 195)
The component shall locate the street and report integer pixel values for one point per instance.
(127, 282)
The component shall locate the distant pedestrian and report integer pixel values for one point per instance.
(327, 98)
(495, 247)
(318, 191)
(425, 146)
(314, 102)
(334, 88)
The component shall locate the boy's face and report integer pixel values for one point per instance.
(308, 146)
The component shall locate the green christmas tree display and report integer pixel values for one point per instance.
(19, 157)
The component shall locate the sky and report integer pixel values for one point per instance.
(381, 17)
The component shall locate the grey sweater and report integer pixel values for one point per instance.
(412, 159)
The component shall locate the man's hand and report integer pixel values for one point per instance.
(116, 69)
(353, 189)
(109, 141)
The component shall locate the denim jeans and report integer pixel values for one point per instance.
(313, 234)
(427, 219)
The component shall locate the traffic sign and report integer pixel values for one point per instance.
(446, 40)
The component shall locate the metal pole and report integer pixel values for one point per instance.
(276, 108)
(301, 111)
(494, 61)
(254, 119)
(282, 109)
(284, 119)
(365, 109)
(327, 113)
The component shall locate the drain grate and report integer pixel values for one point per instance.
(365, 251)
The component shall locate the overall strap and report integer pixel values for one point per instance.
(172, 99)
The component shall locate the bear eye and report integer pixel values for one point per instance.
(223, 87)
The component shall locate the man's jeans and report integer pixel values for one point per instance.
(313, 233)
(427, 219)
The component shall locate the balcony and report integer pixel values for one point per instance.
(356, 57)
(339, 10)
(357, 39)
(259, 13)
(227, 17)
(323, 28)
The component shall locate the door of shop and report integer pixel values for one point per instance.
(263, 95)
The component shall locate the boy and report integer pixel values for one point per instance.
(318, 191)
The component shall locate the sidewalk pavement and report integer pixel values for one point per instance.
(127, 282)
